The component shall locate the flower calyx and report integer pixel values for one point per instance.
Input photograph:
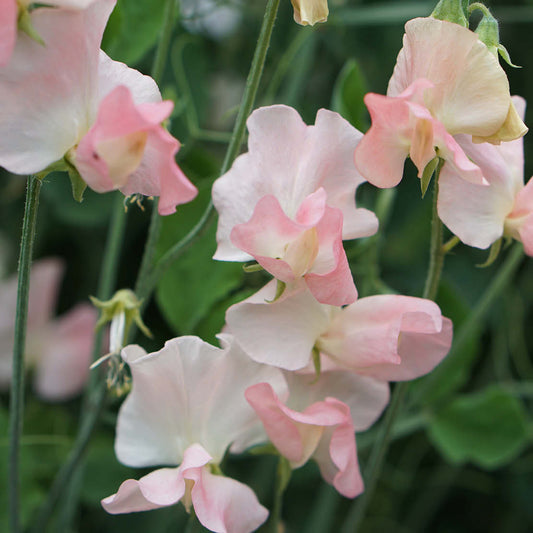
(452, 11)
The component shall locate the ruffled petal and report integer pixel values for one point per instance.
(298, 436)
(65, 355)
(388, 337)
(291, 163)
(188, 392)
(471, 93)
(8, 29)
(43, 114)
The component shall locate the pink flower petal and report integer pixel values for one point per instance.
(388, 337)
(48, 113)
(281, 333)
(110, 154)
(291, 163)
(63, 364)
(8, 29)
(298, 436)
(290, 250)
(189, 392)
(471, 92)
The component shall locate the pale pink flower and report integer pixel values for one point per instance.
(389, 337)
(481, 215)
(68, 99)
(309, 12)
(445, 82)
(319, 420)
(186, 408)
(9, 11)
(290, 201)
(59, 350)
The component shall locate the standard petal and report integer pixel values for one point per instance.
(44, 114)
(188, 392)
(291, 163)
(475, 213)
(280, 333)
(471, 93)
(65, 354)
(8, 29)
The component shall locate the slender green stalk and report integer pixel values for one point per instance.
(357, 513)
(247, 103)
(96, 391)
(16, 406)
(283, 476)
(158, 69)
(436, 248)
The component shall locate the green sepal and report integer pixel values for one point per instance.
(123, 301)
(77, 183)
(429, 170)
(504, 54)
(264, 449)
(452, 11)
(253, 267)
(280, 289)
(493, 254)
(283, 473)
(25, 25)
(317, 363)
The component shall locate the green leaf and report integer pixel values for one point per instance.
(427, 174)
(133, 29)
(348, 94)
(488, 428)
(196, 282)
(452, 11)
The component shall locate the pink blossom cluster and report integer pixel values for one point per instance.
(303, 363)
(66, 105)
(449, 98)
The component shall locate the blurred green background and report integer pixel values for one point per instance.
(463, 460)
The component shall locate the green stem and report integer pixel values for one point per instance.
(357, 513)
(158, 69)
(494, 290)
(16, 406)
(283, 476)
(436, 250)
(95, 395)
(247, 103)
(161, 54)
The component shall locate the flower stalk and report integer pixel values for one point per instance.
(16, 406)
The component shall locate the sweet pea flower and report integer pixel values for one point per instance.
(9, 15)
(319, 421)
(59, 350)
(290, 201)
(67, 105)
(388, 337)
(309, 12)
(479, 215)
(445, 82)
(186, 407)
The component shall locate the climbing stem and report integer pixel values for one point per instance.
(16, 405)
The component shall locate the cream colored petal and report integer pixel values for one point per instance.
(309, 12)
(471, 93)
